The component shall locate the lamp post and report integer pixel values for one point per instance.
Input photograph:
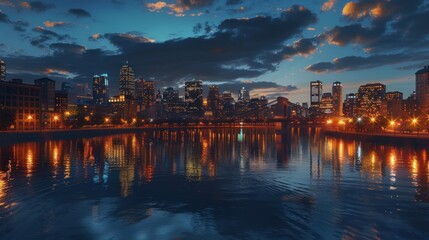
(414, 122)
(55, 121)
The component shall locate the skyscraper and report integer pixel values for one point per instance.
(170, 95)
(213, 100)
(194, 96)
(350, 105)
(243, 95)
(422, 89)
(2, 70)
(316, 90)
(337, 97)
(327, 103)
(100, 90)
(126, 80)
(370, 98)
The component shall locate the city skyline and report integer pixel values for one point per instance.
(287, 46)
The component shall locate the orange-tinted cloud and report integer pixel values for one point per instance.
(157, 6)
(328, 5)
(53, 24)
(25, 5)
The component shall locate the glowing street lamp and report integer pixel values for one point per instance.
(392, 123)
(372, 120)
(30, 119)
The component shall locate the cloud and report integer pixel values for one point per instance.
(328, 5)
(353, 63)
(45, 36)
(379, 8)
(67, 48)
(234, 2)
(7, 3)
(237, 49)
(18, 26)
(179, 7)
(54, 24)
(257, 89)
(95, 36)
(37, 6)
(78, 12)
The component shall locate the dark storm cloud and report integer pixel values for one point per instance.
(353, 63)
(45, 36)
(4, 18)
(37, 6)
(78, 12)
(238, 49)
(67, 48)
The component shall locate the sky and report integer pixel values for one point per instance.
(271, 47)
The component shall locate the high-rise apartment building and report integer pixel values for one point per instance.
(126, 80)
(170, 95)
(337, 98)
(422, 89)
(2, 70)
(316, 90)
(194, 96)
(370, 98)
(100, 90)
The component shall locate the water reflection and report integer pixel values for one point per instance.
(296, 184)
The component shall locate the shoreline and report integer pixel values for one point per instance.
(10, 137)
(379, 136)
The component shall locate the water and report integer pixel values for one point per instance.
(236, 183)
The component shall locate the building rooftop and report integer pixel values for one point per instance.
(423, 70)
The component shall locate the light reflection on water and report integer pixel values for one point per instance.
(218, 183)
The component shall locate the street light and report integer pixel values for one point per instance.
(392, 123)
(55, 121)
(30, 119)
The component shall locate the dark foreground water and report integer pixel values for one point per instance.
(214, 184)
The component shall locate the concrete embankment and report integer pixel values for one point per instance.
(421, 138)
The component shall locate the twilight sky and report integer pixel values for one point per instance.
(273, 47)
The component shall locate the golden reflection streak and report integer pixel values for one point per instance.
(29, 162)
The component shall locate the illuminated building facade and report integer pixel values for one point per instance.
(47, 94)
(123, 107)
(327, 103)
(61, 102)
(170, 95)
(126, 80)
(194, 96)
(243, 95)
(337, 97)
(422, 89)
(24, 99)
(100, 90)
(394, 105)
(2, 70)
(370, 98)
(350, 108)
(316, 90)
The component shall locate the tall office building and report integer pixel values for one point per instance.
(61, 102)
(126, 80)
(170, 95)
(2, 70)
(350, 108)
(194, 96)
(316, 90)
(422, 89)
(370, 98)
(145, 94)
(327, 103)
(243, 95)
(337, 97)
(100, 90)
(213, 100)
(47, 94)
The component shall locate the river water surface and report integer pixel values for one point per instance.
(248, 183)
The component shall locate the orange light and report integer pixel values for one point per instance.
(30, 117)
(329, 121)
(372, 119)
